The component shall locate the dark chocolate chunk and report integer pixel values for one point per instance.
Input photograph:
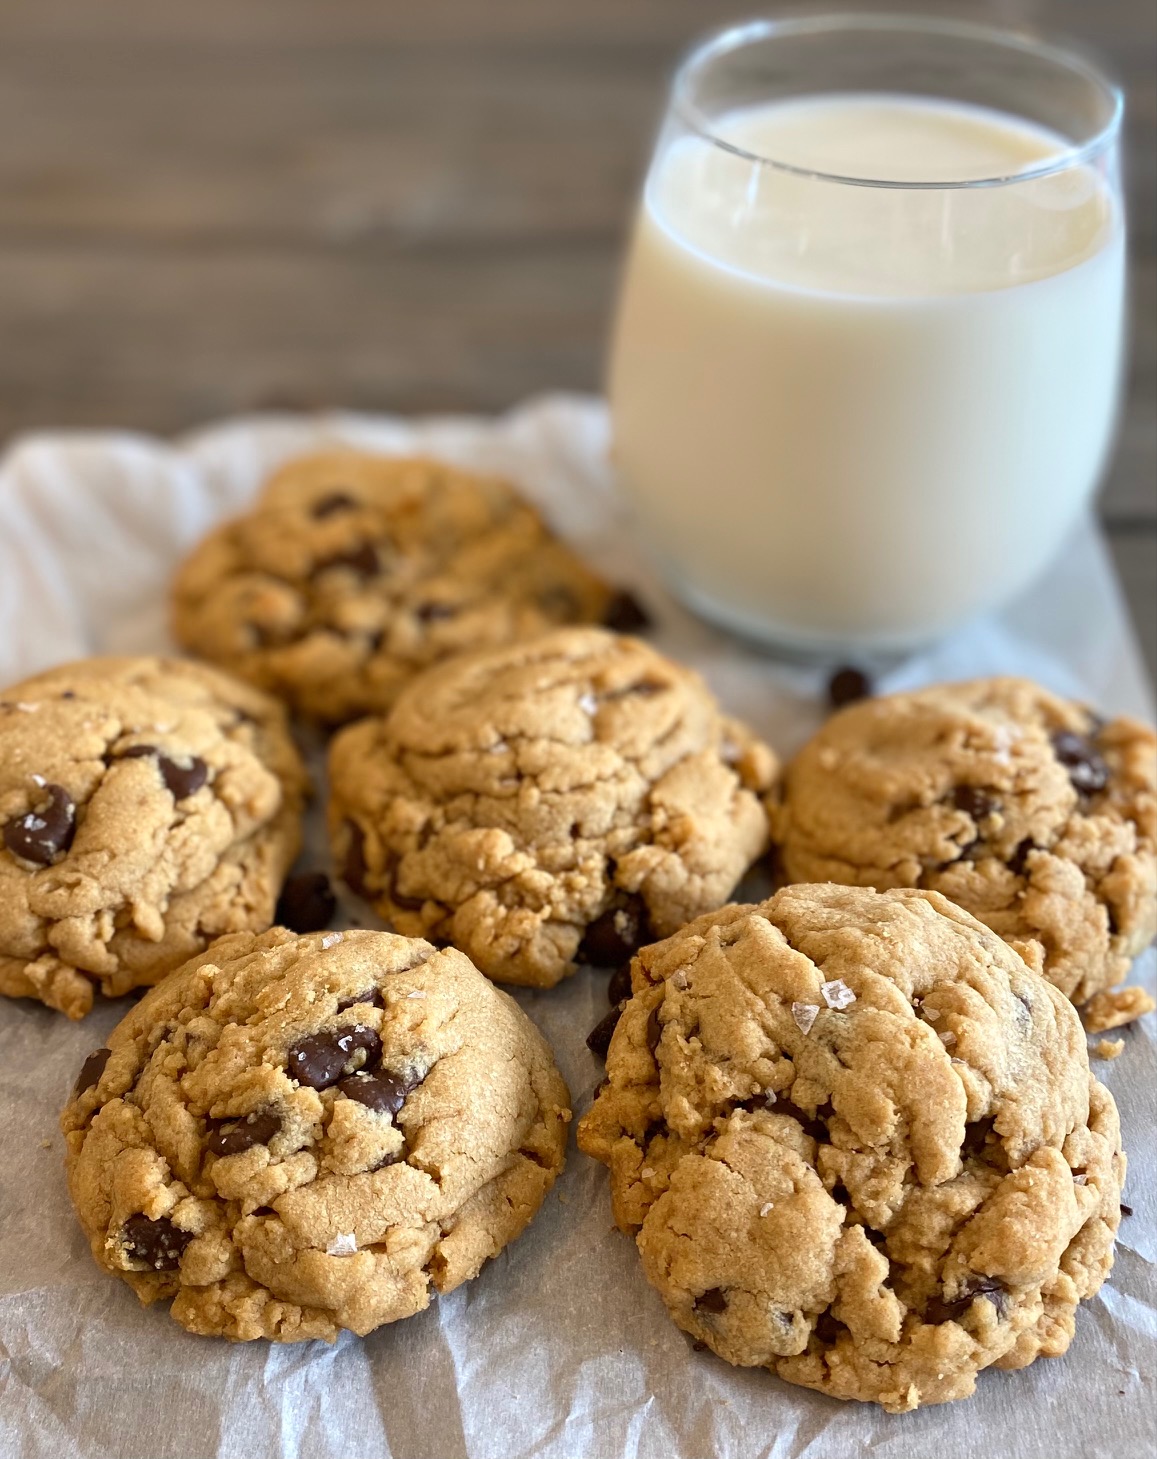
(231, 1137)
(599, 1038)
(332, 504)
(616, 934)
(306, 903)
(91, 1070)
(974, 801)
(654, 1028)
(847, 685)
(320, 1059)
(383, 1092)
(1126, 1210)
(371, 996)
(976, 1138)
(713, 1300)
(829, 1329)
(180, 780)
(159, 1244)
(1087, 769)
(625, 614)
(1018, 861)
(362, 560)
(619, 986)
(939, 1310)
(354, 867)
(46, 831)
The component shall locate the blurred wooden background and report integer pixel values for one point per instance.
(212, 207)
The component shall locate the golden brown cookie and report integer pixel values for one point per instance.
(147, 806)
(291, 1136)
(857, 1141)
(354, 572)
(560, 800)
(1022, 807)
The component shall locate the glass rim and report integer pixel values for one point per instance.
(734, 37)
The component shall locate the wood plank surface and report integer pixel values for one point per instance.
(209, 208)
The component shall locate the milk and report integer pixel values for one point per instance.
(854, 415)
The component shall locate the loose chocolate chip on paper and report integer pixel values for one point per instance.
(307, 902)
(332, 504)
(46, 831)
(159, 1244)
(1087, 770)
(625, 614)
(1126, 1210)
(91, 1070)
(713, 1300)
(974, 801)
(383, 1092)
(231, 1137)
(847, 685)
(599, 1038)
(619, 986)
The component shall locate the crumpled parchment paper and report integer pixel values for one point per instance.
(559, 1349)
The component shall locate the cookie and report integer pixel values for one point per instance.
(1023, 808)
(565, 799)
(857, 1141)
(295, 1135)
(354, 572)
(146, 806)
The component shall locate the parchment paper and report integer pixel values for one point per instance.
(559, 1348)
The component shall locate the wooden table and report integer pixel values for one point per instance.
(212, 207)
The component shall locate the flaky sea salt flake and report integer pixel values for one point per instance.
(837, 994)
(767, 1208)
(331, 939)
(343, 1244)
(947, 1038)
(588, 703)
(805, 1015)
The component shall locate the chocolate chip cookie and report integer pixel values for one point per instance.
(857, 1141)
(295, 1135)
(146, 806)
(1028, 810)
(353, 572)
(557, 801)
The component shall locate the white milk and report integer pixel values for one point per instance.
(859, 415)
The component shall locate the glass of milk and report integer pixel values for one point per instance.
(867, 354)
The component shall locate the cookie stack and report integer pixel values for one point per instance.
(851, 1128)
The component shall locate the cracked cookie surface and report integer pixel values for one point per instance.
(565, 799)
(1023, 808)
(354, 572)
(295, 1135)
(857, 1141)
(147, 806)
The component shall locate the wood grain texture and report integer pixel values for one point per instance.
(210, 207)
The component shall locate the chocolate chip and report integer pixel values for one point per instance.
(159, 1244)
(654, 1028)
(1019, 858)
(407, 904)
(91, 1070)
(619, 987)
(625, 614)
(331, 505)
(846, 686)
(181, 781)
(321, 1059)
(713, 1300)
(939, 1310)
(974, 801)
(362, 560)
(1126, 1210)
(45, 832)
(976, 1137)
(435, 612)
(599, 1038)
(616, 934)
(306, 903)
(231, 1137)
(354, 867)
(1087, 770)
(383, 1092)
(371, 996)
(829, 1329)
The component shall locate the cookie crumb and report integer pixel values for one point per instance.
(805, 1015)
(1109, 1048)
(46, 1144)
(1116, 1008)
(837, 994)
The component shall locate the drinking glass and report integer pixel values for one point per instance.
(855, 406)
